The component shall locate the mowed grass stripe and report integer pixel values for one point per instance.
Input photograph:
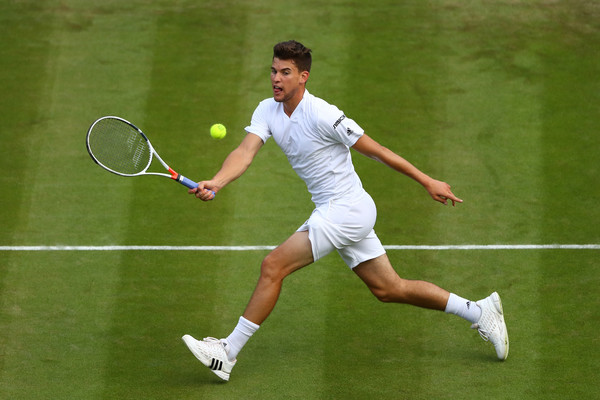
(489, 74)
(571, 144)
(93, 52)
(23, 65)
(296, 336)
(164, 296)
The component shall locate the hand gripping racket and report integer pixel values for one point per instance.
(122, 148)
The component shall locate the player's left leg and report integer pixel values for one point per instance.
(383, 281)
(487, 315)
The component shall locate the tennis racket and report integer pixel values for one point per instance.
(122, 148)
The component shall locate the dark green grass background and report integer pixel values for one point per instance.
(499, 98)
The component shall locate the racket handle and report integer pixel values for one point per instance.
(188, 182)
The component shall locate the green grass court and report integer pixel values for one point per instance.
(498, 98)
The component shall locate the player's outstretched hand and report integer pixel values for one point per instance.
(440, 191)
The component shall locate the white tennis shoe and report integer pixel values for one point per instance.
(212, 353)
(491, 325)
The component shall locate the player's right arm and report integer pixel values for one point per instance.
(236, 163)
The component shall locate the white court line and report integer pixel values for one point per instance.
(254, 248)
(499, 247)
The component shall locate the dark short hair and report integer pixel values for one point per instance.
(295, 51)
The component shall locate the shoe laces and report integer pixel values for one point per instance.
(217, 345)
(212, 347)
(486, 325)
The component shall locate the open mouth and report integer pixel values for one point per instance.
(277, 90)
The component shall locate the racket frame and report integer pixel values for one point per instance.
(153, 154)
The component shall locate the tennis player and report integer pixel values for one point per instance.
(316, 137)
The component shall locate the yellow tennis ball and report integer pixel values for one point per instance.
(218, 131)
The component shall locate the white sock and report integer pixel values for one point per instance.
(464, 308)
(240, 335)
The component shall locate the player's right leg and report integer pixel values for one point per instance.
(211, 352)
(290, 256)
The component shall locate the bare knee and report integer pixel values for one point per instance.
(391, 292)
(382, 280)
(382, 295)
(271, 269)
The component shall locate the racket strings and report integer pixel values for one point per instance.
(119, 146)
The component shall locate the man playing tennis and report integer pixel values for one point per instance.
(316, 137)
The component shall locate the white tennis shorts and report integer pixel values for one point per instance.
(345, 225)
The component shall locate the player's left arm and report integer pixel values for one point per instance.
(438, 190)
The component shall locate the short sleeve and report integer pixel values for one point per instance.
(334, 123)
(259, 123)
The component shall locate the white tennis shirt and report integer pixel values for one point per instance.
(316, 140)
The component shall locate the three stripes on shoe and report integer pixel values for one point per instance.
(216, 365)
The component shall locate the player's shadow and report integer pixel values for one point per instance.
(195, 379)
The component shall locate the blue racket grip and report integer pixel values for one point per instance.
(186, 182)
(189, 183)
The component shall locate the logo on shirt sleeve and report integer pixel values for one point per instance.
(339, 121)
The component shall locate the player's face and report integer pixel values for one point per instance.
(287, 81)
